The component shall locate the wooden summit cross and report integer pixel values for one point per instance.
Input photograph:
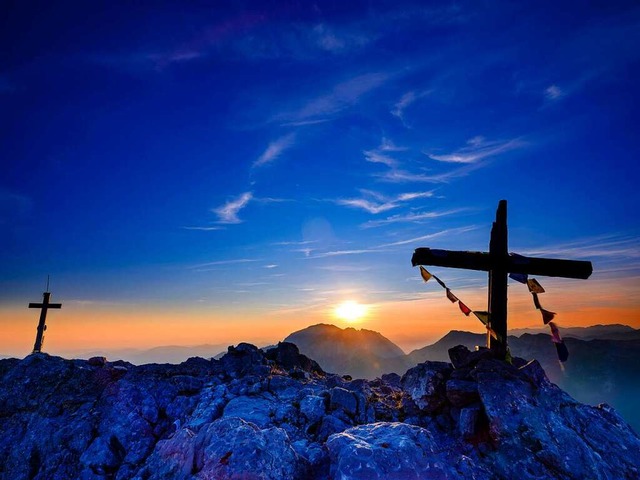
(44, 306)
(499, 263)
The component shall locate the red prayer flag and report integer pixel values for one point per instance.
(464, 309)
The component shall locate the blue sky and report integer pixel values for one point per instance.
(284, 156)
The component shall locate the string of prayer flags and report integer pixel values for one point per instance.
(463, 308)
(536, 301)
(440, 282)
(519, 277)
(534, 286)
(561, 348)
(482, 316)
(547, 316)
(426, 276)
(555, 333)
(451, 296)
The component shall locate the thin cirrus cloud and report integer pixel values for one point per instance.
(275, 149)
(378, 203)
(441, 233)
(405, 101)
(477, 149)
(228, 213)
(410, 218)
(341, 97)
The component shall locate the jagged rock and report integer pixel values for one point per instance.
(287, 355)
(231, 448)
(259, 411)
(462, 357)
(541, 432)
(462, 392)
(97, 361)
(468, 421)
(397, 450)
(344, 400)
(425, 385)
(312, 407)
(247, 416)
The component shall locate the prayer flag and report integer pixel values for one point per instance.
(493, 333)
(547, 316)
(555, 333)
(426, 276)
(451, 296)
(464, 309)
(519, 277)
(536, 302)
(563, 352)
(440, 282)
(534, 286)
(483, 317)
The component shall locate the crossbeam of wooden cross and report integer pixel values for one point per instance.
(499, 264)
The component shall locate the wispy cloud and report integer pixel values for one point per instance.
(225, 262)
(340, 253)
(476, 149)
(275, 149)
(442, 233)
(604, 246)
(342, 96)
(374, 202)
(375, 156)
(228, 213)
(405, 101)
(553, 92)
(337, 42)
(410, 218)
(205, 229)
(344, 268)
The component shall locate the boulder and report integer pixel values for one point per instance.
(462, 392)
(425, 385)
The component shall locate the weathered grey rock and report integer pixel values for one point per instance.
(312, 407)
(67, 419)
(398, 451)
(425, 385)
(259, 411)
(344, 400)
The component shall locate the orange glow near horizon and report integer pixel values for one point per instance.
(410, 324)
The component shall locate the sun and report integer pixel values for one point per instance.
(350, 311)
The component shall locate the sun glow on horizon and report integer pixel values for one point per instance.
(351, 311)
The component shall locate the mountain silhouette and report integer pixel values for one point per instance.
(359, 353)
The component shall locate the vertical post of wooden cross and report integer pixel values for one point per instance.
(499, 253)
(44, 306)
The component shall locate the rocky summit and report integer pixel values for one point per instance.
(278, 415)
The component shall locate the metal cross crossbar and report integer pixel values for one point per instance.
(499, 263)
(44, 306)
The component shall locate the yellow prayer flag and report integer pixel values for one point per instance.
(534, 286)
(426, 276)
